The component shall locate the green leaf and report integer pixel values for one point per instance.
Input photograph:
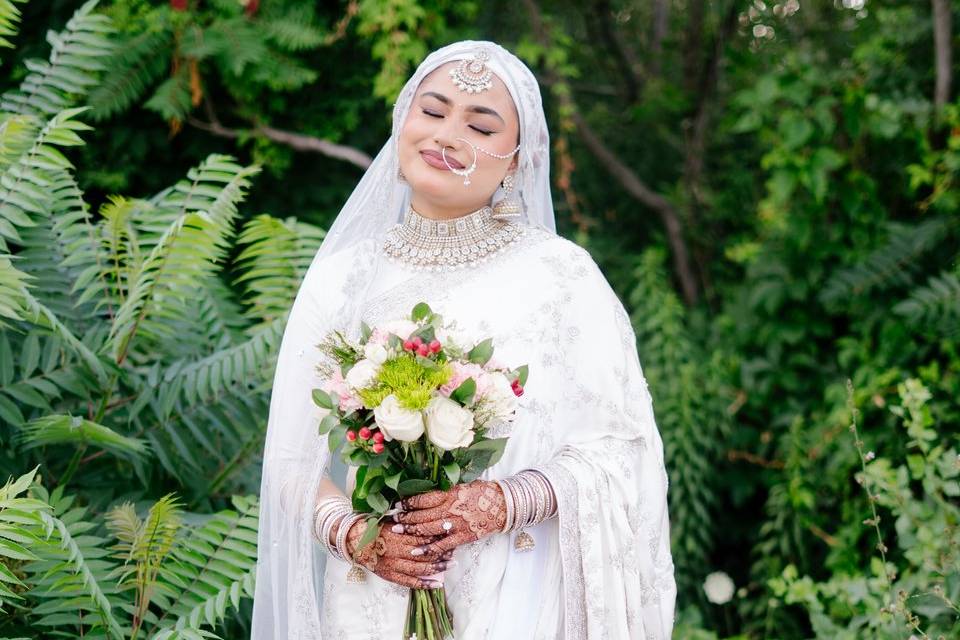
(323, 399)
(414, 486)
(378, 502)
(481, 353)
(328, 423)
(365, 331)
(464, 393)
(453, 472)
(420, 311)
(522, 373)
(335, 438)
(394, 480)
(371, 533)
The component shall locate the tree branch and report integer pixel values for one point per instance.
(942, 52)
(297, 141)
(628, 179)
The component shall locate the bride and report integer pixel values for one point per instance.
(456, 211)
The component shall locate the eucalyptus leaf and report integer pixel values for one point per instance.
(370, 534)
(329, 422)
(481, 353)
(465, 392)
(378, 502)
(323, 399)
(420, 311)
(452, 470)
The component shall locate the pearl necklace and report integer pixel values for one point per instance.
(424, 243)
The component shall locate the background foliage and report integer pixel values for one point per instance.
(770, 187)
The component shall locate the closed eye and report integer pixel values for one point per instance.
(433, 114)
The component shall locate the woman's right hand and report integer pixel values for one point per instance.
(388, 556)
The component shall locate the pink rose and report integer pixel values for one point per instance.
(338, 387)
(462, 371)
(378, 336)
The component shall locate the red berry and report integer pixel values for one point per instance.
(351, 435)
(423, 350)
(378, 436)
(408, 345)
(435, 346)
(417, 340)
(518, 390)
(378, 447)
(364, 433)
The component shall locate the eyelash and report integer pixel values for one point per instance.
(437, 115)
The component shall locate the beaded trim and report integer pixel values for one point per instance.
(471, 239)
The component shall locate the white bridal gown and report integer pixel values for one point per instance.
(603, 567)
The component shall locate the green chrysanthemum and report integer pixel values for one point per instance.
(409, 380)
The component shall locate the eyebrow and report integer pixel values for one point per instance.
(475, 108)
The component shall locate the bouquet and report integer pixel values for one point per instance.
(409, 406)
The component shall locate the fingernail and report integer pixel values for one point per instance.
(397, 528)
(416, 551)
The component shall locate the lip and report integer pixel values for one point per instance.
(435, 160)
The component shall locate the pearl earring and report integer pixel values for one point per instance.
(506, 209)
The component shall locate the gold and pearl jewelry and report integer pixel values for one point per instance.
(473, 75)
(424, 243)
(507, 208)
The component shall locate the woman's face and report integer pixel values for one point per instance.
(440, 114)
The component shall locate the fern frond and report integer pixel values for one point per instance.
(185, 252)
(70, 576)
(13, 284)
(171, 99)
(937, 304)
(23, 195)
(213, 567)
(19, 520)
(690, 415)
(275, 257)
(74, 66)
(129, 72)
(9, 21)
(67, 429)
(892, 264)
(295, 30)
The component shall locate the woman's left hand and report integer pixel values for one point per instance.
(464, 513)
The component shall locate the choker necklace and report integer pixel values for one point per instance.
(458, 242)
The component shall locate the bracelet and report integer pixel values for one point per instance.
(344, 528)
(508, 505)
(327, 513)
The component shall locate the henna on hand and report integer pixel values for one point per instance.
(389, 556)
(465, 513)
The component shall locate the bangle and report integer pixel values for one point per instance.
(344, 528)
(508, 506)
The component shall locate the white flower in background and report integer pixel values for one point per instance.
(398, 422)
(449, 426)
(498, 395)
(719, 587)
(375, 353)
(402, 328)
(362, 374)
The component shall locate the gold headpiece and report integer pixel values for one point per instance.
(473, 76)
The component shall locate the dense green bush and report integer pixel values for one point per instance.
(819, 209)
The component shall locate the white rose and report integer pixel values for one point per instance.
(375, 353)
(402, 328)
(499, 396)
(362, 374)
(449, 426)
(398, 422)
(719, 587)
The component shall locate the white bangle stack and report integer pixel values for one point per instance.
(329, 512)
(529, 500)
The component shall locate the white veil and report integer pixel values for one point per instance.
(290, 562)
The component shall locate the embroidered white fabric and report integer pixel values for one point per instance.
(603, 568)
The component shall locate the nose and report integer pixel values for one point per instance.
(446, 134)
